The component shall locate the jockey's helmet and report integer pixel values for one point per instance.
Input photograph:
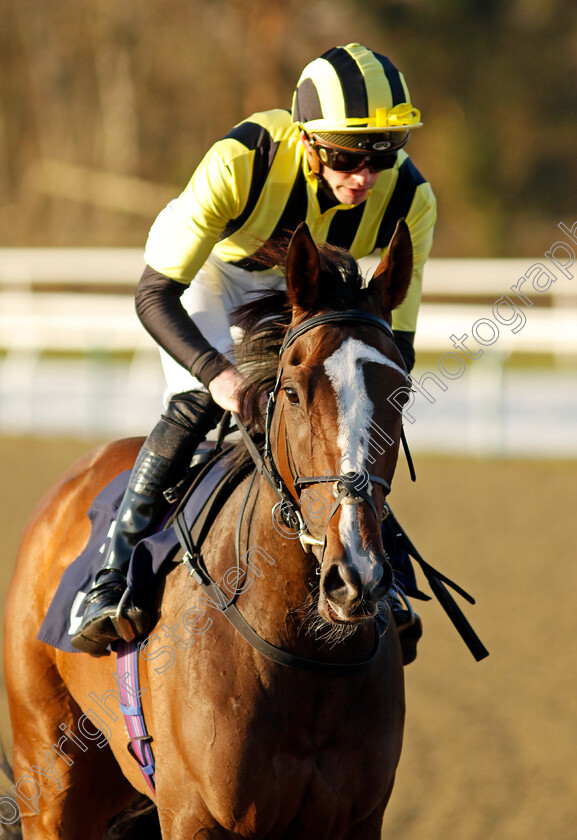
(354, 99)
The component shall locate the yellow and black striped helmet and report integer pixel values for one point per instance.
(350, 91)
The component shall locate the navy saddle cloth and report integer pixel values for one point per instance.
(151, 556)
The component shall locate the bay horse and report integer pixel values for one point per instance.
(245, 747)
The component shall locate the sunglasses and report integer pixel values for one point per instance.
(349, 161)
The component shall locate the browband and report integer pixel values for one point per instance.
(336, 317)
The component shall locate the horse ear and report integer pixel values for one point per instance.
(302, 269)
(390, 281)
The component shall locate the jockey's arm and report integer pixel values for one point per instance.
(421, 221)
(159, 308)
(405, 342)
(179, 243)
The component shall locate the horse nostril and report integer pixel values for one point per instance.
(342, 584)
(333, 581)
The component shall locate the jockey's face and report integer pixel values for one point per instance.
(350, 187)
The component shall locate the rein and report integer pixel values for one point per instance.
(191, 559)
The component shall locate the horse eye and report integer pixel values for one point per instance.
(402, 398)
(292, 396)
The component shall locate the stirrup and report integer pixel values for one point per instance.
(120, 622)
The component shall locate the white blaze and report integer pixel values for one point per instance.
(355, 409)
(355, 413)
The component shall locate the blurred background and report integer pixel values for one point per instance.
(105, 110)
(140, 89)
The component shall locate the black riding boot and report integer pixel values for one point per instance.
(139, 510)
(162, 460)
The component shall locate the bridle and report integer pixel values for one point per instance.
(347, 492)
(350, 489)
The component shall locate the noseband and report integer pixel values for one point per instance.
(350, 488)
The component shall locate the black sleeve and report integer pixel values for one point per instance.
(159, 308)
(404, 341)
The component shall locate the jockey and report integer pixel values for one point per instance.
(337, 161)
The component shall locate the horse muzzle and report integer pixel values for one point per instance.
(348, 596)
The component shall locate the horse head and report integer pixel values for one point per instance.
(334, 434)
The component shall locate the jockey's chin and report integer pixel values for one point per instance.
(350, 188)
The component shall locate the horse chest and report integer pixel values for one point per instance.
(321, 796)
(305, 764)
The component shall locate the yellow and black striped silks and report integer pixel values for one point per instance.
(256, 184)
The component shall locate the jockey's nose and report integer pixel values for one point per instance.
(362, 176)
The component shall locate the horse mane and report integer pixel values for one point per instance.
(264, 321)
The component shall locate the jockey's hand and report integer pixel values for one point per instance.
(224, 389)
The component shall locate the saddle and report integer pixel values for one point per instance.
(196, 500)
